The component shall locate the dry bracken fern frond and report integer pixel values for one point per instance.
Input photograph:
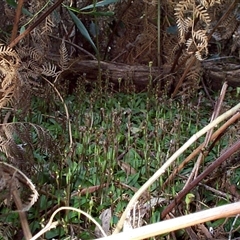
(12, 178)
(6, 231)
(47, 28)
(9, 77)
(198, 44)
(194, 72)
(186, 12)
(191, 82)
(201, 13)
(49, 70)
(209, 3)
(184, 22)
(12, 135)
(63, 61)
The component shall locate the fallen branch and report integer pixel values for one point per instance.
(115, 72)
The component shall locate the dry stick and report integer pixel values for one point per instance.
(207, 92)
(213, 190)
(174, 224)
(160, 171)
(216, 111)
(197, 150)
(38, 21)
(174, 67)
(52, 224)
(179, 84)
(22, 215)
(16, 20)
(5, 120)
(197, 180)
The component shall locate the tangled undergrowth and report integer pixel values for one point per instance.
(67, 141)
(118, 142)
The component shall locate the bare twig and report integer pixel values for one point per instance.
(22, 215)
(52, 224)
(16, 20)
(192, 184)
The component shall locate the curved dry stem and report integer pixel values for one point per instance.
(170, 161)
(23, 179)
(52, 224)
(16, 174)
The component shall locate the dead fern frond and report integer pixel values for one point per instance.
(6, 231)
(49, 69)
(12, 178)
(9, 77)
(184, 22)
(10, 55)
(40, 41)
(47, 28)
(13, 135)
(201, 13)
(192, 79)
(194, 73)
(36, 54)
(186, 12)
(209, 3)
(63, 61)
(198, 44)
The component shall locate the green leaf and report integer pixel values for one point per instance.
(73, 9)
(94, 13)
(100, 4)
(189, 198)
(132, 179)
(94, 29)
(22, 29)
(82, 29)
(55, 233)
